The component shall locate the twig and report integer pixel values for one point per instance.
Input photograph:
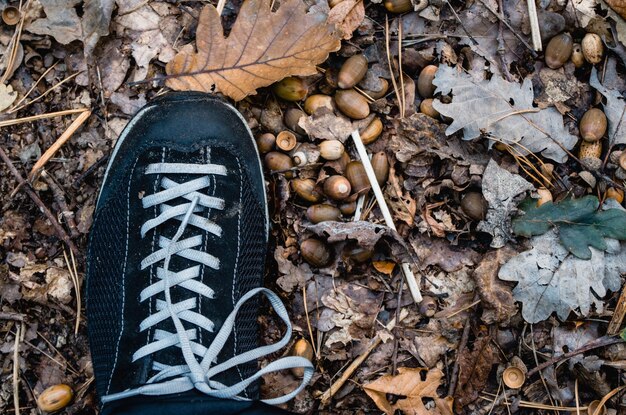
(502, 46)
(462, 345)
(71, 268)
(11, 316)
(594, 344)
(59, 197)
(32, 88)
(517, 35)
(52, 88)
(334, 388)
(61, 234)
(618, 315)
(16, 121)
(608, 396)
(308, 321)
(458, 19)
(75, 125)
(16, 368)
(369, 170)
(534, 25)
(393, 78)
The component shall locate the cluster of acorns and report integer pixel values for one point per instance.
(593, 124)
(300, 158)
(333, 196)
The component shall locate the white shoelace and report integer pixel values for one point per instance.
(200, 362)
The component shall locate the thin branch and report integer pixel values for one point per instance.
(594, 344)
(23, 184)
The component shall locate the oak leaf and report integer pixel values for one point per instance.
(503, 111)
(263, 47)
(411, 390)
(347, 16)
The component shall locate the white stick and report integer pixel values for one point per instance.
(534, 24)
(369, 170)
(359, 208)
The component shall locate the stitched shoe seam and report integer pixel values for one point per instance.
(119, 339)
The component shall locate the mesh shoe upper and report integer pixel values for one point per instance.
(133, 241)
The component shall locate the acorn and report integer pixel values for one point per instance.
(372, 131)
(301, 348)
(614, 193)
(265, 142)
(588, 178)
(379, 93)
(337, 187)
(355, 173)
(547, 171)
(55, 398)
(590, 149)
(352, 104)
(348, 208)
(559, 50)
(331, 149)
(317, 101)
(352, 71)
(305, 189)
(322, 213)
(593, 48)
(292, 118)
(358, 254)
(513, 377)
(544, 196)
(398, 6)
(380, 164)
(276, 161)
(578, 59)
(286, 140)
(305, 153)
(315, 252)
(593, 125)
(474, 205)
(428, 306)
(11, 15)
(426, 107)
(425, 81)
(291, 89)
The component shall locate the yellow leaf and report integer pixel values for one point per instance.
(410, 388)
(263, 47)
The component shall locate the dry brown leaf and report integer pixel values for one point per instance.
(474, 368)
(497, 301)
(347, 17)
(411, 389)
(402, 205)
(263, 47)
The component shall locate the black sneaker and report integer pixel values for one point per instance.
(182, 206)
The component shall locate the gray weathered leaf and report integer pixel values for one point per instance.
(550, 279)
(615, 110)
(62, 21)
(505, 111)
(502, 190)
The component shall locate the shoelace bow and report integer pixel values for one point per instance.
(197, 373)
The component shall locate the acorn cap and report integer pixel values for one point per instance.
(11, 15)
(592, 408)
(513, 377)
(286, 140)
